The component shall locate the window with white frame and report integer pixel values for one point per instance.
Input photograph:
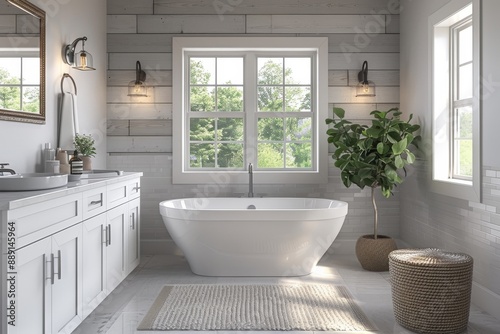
(454, 36)
(249, 100)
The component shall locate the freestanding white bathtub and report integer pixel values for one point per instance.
(253, 236)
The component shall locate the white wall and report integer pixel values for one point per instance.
(21, 143)
(140, 130)
(432, 220)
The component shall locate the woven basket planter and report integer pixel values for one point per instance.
(431, 289)
(373, 254)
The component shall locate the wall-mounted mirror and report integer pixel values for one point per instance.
(22, 62)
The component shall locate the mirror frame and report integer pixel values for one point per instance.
(19, 116)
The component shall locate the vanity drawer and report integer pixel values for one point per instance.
(94, 202)
(117, 194)
(34, 222)
(134, 189)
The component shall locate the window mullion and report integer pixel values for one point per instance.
(250, 97)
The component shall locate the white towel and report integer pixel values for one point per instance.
(68, 126)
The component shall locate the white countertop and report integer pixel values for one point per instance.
(16, 199)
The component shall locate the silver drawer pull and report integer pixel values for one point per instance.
(109, 235)
(51, 269)
(105, 236)
(95, 202)
(58, 257)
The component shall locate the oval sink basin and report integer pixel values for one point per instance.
(32, 181)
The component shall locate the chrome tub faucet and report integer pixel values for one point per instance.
(250, 180)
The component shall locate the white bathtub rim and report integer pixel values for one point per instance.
(244, 214)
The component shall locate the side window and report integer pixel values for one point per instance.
(454, 36)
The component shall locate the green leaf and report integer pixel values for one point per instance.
(339, 112)
(391, 174)
(328, 120)
(373, 132)
(399, 147)
(399, 162)
(410, 157)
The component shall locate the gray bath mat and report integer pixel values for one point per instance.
(307, 307)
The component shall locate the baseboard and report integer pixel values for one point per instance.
(486, 299)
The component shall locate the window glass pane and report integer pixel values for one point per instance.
(298, 71)
(297, 99)
(464, 158)
(202, 71)
(202, 129)
(298, 129)
(270, 98)
(230, 155)
(230, 71)
(464, 122)
(465, 82)
(270, 71)
(270, 129)
(10, 97)
(299, 155)
(202, 98)
(202, 155)
(230, 129)
(10, 71)
(31, 99)
(465, 45)
(270, 155)
(31, 71)
(230, 98)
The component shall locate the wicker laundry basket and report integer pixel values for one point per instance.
(431, 289)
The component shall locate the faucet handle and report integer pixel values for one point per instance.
(3, 164)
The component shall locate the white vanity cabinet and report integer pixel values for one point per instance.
(62, 256)
(49, 291)
(132, 257)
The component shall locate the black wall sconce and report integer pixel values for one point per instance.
(81, 60)
(365, 87)
(138, 86)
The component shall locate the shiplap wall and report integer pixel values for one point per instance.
(139, 129)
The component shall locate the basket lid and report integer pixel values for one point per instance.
(429, 257)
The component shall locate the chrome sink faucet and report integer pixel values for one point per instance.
(5, 170)
(250, 180)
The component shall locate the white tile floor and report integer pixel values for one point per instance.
(122, 311)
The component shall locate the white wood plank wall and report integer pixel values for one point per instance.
(139, 129)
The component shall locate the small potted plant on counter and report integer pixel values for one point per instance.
(373, 156)
(85, 145)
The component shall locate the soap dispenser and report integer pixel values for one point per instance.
(76, 164)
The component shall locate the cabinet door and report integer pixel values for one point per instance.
(33, 288)
(133, 235)
(117, 219)
(67, 287)
(94, 263)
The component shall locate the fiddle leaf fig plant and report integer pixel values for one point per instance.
(372, 156)
(84, 144)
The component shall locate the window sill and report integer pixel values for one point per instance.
(465, 190)
(241, 177)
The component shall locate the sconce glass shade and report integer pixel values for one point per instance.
(138, 86)
(364, 87)
(82, 60)
(137, 89)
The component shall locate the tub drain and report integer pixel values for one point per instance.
(251, 207)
